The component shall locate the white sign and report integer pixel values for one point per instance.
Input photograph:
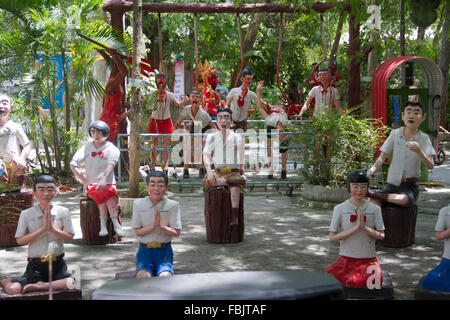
(178, 88)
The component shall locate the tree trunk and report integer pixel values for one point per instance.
(402, 29)
(67, 109)
(248, 42)
(54, 126)
(354, 77)
(370, 71)
(337, 37)
(444, 61)
(439, 32)
(135, 112)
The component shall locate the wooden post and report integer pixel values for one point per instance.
(218, 217)
(400, 224)
(354, 77)
(135, 114)
(90, 224)
(11, 205)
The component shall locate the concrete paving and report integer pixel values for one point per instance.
(281, 233)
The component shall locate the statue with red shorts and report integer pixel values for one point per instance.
(100, 157)
(160, 120)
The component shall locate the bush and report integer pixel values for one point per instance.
(351, 147)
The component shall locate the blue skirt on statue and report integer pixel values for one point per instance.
(439, 278)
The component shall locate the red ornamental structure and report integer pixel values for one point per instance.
(434, 84)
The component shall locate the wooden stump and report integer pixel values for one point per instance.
(218, 217)
(90, 224)
(11, 205)
(400, 225)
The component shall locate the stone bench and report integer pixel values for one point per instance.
(235, 285)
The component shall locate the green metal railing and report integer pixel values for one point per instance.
(289, 182)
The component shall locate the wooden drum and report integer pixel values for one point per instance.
(90, 224)
(218, 215)
(11, 205)
(400, 225)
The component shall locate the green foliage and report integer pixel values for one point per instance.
(423, 12)
(48, 26)
(48, 29)
(352, 143)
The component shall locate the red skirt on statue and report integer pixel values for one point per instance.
(355, 272)
(101, 195)
(109, 114)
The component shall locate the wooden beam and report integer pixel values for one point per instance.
(166, 7)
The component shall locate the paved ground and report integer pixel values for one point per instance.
(281, 233)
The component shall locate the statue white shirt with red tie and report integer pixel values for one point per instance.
(96, 160)
(324, 99)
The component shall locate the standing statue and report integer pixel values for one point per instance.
(240, 99)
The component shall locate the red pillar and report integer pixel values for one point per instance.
(117, 13)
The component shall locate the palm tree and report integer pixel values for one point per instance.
(48, 29)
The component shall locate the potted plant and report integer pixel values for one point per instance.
(12, 202)
(350, 148)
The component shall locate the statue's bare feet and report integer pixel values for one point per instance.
(11, 287)
(70, 283)
(5, 282)
(38, 286)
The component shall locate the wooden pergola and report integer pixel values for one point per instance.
(117, 8)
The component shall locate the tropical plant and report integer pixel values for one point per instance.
(41, 35)
(352, 144)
